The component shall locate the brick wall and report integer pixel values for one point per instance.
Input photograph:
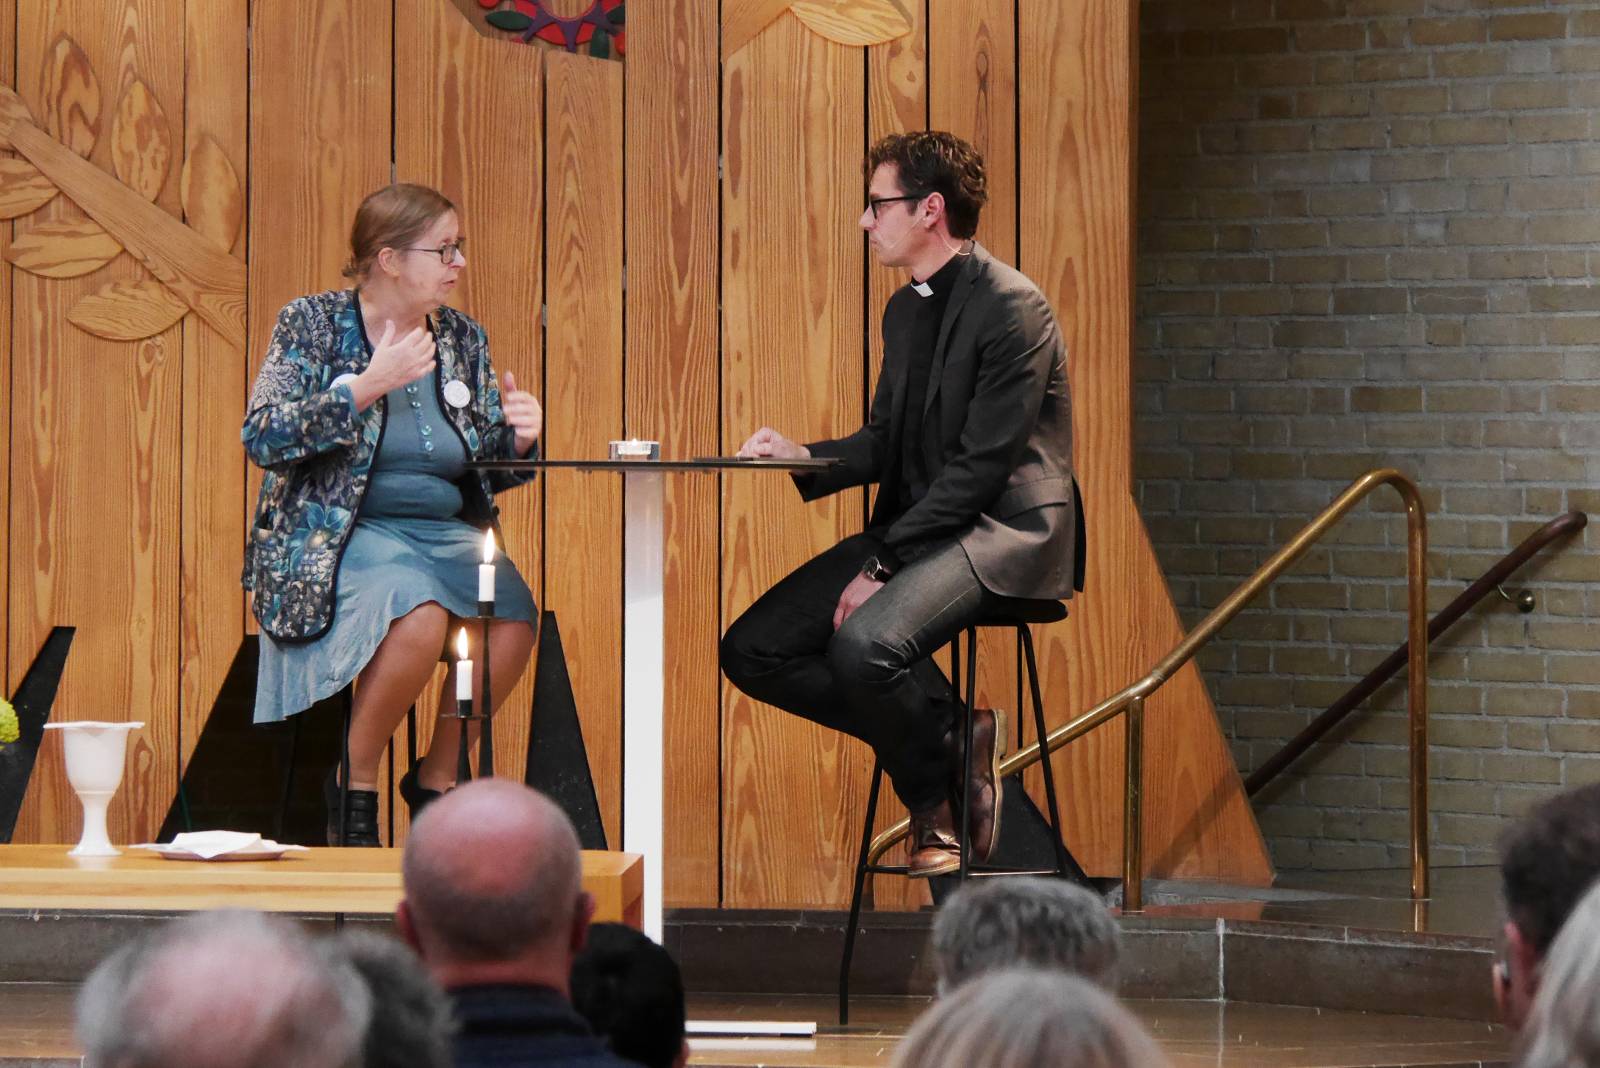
(1369, 236)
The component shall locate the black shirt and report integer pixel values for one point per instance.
(920, 326)
(524, 1025)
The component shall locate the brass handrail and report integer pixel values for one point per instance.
(1560, 527)
(1132, 698)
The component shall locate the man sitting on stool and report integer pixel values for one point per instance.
(970, 443)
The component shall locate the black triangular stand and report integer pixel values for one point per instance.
(558, 763)
(1026, 843)
(32, 701)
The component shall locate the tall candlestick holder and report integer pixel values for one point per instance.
(485, 701)
(463, 749)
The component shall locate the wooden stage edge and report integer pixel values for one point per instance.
(352, 881)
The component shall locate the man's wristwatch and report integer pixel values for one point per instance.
(876, 570)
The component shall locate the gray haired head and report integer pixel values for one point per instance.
(1024, 1017)
(230, 989)
(1047, 923)
(411, 1016)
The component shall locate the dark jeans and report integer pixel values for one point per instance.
(873, 678)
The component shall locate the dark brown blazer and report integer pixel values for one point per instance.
(996, 436)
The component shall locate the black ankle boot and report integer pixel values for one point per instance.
(417, 796)
(360, 813)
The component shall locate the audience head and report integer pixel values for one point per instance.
(1046, 923)
(493, 887)
(1562, 1029)
(223, 990)
(1020, 1018)
(630, 991)
(411, 1022)
(1548, 862)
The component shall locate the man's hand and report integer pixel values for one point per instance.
(522, 412)
(854, 596)
(768, 442)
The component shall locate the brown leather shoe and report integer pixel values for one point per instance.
(934, 848)
(988, 738)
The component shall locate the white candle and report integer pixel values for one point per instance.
(486, 570)
(463, 668)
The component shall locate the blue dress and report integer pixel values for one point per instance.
(408, 548)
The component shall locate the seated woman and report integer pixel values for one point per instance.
(364, 551)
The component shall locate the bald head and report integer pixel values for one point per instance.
(492, 874)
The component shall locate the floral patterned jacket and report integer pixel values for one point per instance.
(303, 428)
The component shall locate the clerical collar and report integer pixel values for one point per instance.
(941, 280)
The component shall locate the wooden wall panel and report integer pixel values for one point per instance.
(317, 146)
(215, 382)
(793, 126)
(95, 512)
(8, 75)
(1077, 96)
(468, 121)
(972, 86)
(897, 102)
(672, 383)
(583, 387)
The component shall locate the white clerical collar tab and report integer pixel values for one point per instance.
(923, 289)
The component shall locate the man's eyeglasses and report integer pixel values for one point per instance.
(446, 253)
(875, 202)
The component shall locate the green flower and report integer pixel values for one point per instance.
(10, 731)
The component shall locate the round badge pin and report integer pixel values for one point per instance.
(343, 380)
(456, 394)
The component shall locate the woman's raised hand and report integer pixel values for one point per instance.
(523, 414)
(395, 362)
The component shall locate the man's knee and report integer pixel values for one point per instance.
(740, 655)
(857, 657)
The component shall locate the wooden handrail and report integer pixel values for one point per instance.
(1531, 546)
(1132, 698)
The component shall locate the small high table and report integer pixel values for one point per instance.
(644, 638)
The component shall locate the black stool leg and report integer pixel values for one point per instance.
(966, 752)
(344, 761)
(1044, 764)
(855, 896)
(288, 780)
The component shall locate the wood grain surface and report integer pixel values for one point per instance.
(743, 20)
(23, 188)
(854, 22)
(469, 121)
(672, 396)
(97, 526)
(792, 339)
(1077, 166)
(584, 399)
(63, 248)
(70, 96)
(127, 311)
(8, 77)
(216, 376)
(141, 140)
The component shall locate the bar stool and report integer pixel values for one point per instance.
(347, 706)
(1019, 615)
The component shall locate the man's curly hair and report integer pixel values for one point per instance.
(1549, 860)
(933, 161)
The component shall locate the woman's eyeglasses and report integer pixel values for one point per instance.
(446, 253)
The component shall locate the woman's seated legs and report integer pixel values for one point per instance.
(389, 685)
(510, 643)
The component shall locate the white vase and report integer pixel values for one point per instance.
(96, 752)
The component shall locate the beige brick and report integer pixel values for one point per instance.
(1528, 27)
(1449, 31)
(1533, 129)
(1492, 230)
(1522, 95)
(1521, 768)
(1390, 68)
(1386, 399)
(1526, 736)
(1410, 167)
(1470, 130)
(1412, 99)
(1469, 64)
(1574, 737)
(1538, 701)
(1582, 669)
